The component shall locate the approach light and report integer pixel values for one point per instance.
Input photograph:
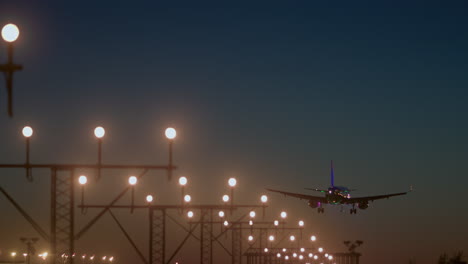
(276, 222)
(250, 238)
(225, 198)
(10, 32)
(283, 214)
(264, 198)
(266, 250)
(27, 131)
(182, 181)
(278, 255)
(232, 182)
(189, 214)
(250, 222)
(271, 238)
(99, 132)
(294, 255)
(221, 214)
(284, 250)
(320, 250)
(149, 198)
(82, 180)
(301, 223)
(132, 180)
(170, 133)
(13, 254)
(252, 214)
(311, 255)
(292, 238)
(330, 257)
(315, 257)
(313, 238)
(302, 249)
(226, 223)
(187, 198)
(286, 257)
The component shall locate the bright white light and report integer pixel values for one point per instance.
(225, 198)
(232, 182)
(326, 255)
(276, 222)
(271, 238)
(250, 222)
(226, 223)
(182, 181)
(111, 259)
(149, 198)
(302, 249)
(294, 255)
(132, 180)
(311, 255)
(99, 132)
(252, 214)
(266, 250)
(283, 214)
(301, 223)
(187, 198)
(320, 250)
(264, 198)
(250, 238)
(13, 254)
(82, 180)
(330, 257)
(292, 238)
(170, 133)
(284, 250)
(27, 131)
(286, 257)
(278, 255)
(189, 214)
(221, 214)
(313, 238)
(315, 257)
(10, 32)
(301, 257)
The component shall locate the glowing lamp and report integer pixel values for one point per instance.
(132, 180)
(226, 223)
(301, 223)
(232, 182)
(225, 198)
(250, 238)
(266, 250)
(221, 214)
(187, 198)
(302, 249)
(27, 131)
(292, 238)
(276, 222)
(252, 214)
(189, 214)
(271, 238)
(99, 132)
(182, 181)
(82, 180)
(283, 214)
(10, 32)
(278, 255)
(320, 250)
(170, 133)
(315, 257)
(313, 238)
(149, 198)
(264, 198)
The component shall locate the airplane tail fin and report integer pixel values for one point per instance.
(332, 175)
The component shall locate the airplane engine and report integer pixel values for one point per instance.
(363, 205)
(314, 204)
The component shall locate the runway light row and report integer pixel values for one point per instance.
(100, 132)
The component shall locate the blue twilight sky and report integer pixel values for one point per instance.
(268, 92)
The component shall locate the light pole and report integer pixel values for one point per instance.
(82, 180)
(27, 133)
(30, 248)
(171, 134)
(132, 180)
(232, 182)
(183, 182)
(10, 34)
(264, 200)
(99, 132)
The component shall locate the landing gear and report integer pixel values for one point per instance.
(321, 210)
(353, 211)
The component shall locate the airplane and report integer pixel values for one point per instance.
(337, 195)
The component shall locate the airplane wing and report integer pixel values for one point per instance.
(302, 196)
(372, 198)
